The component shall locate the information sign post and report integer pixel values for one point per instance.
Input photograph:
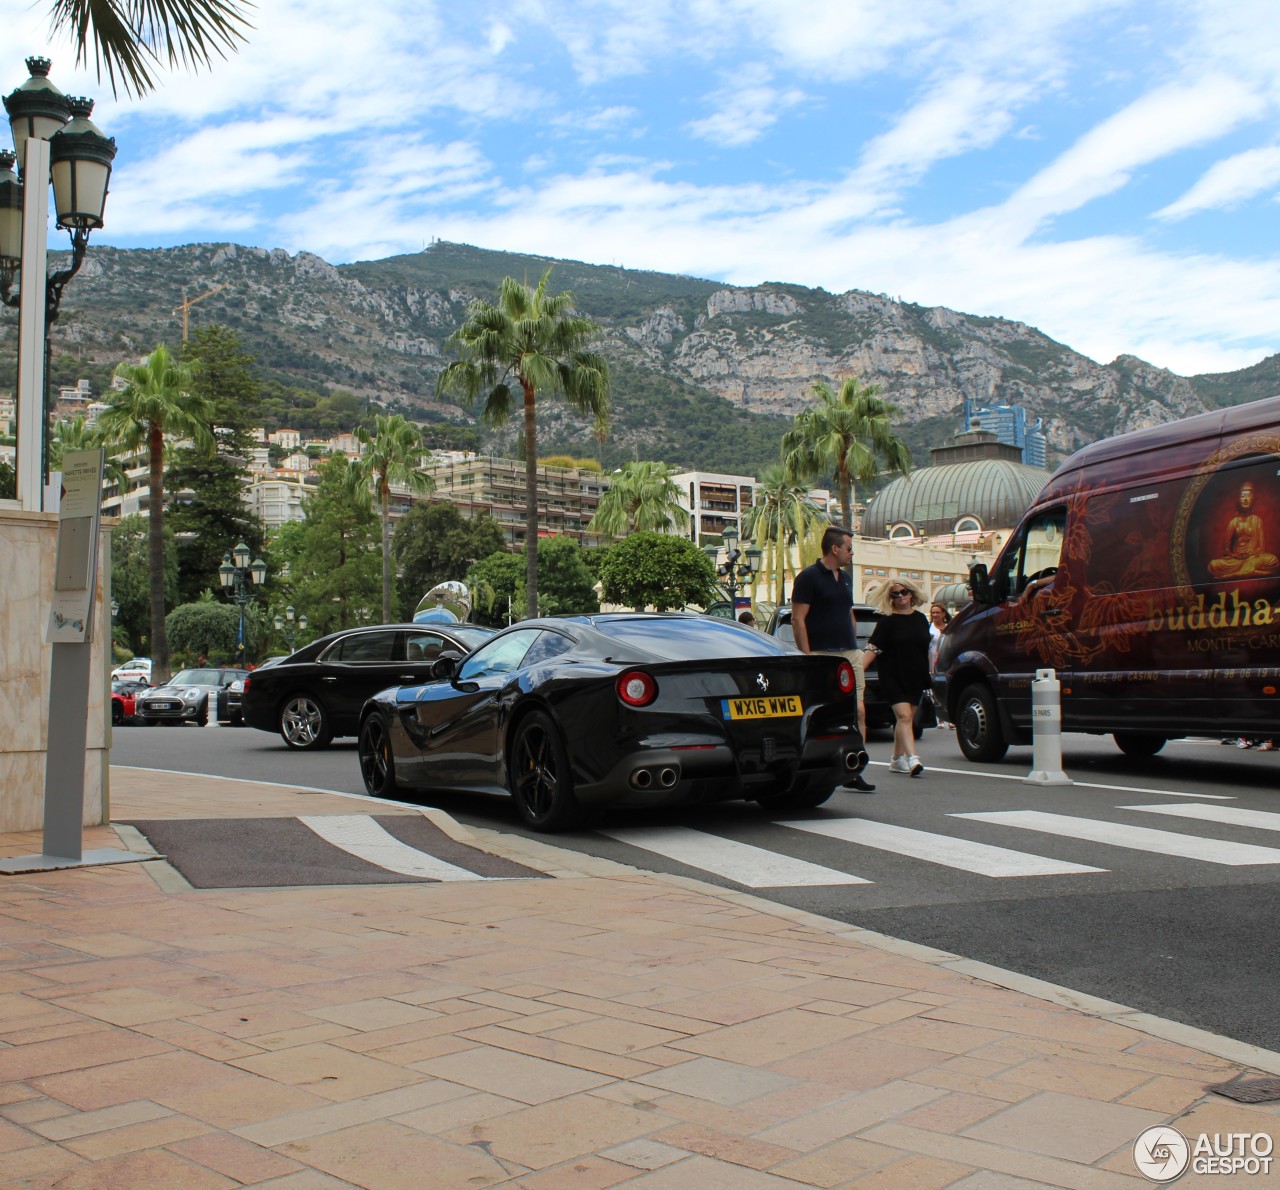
(70, 632)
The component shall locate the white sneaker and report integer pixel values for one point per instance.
(915, 766)
(899, 764)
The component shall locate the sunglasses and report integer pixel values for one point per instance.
(899, 594)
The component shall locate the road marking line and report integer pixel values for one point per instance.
(754, 867)
(1263, 820)
(1137, 838)
(980, 858)
(985, 773)
(360, 836)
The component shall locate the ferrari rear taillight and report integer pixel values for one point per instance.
(845, 678)
(636, 688)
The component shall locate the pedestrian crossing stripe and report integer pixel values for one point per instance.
(1263, 820)
(754, 867)
(363, 837)
(1137, 838)
(964, 854)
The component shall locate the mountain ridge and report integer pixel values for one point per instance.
(706, 374)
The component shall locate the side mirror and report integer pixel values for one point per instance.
(980, 583)
(445, 664)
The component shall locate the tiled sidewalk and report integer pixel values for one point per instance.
(607, 1028)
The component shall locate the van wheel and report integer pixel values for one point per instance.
(978, 725)
(1139, 743)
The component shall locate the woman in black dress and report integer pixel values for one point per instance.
(899, 647)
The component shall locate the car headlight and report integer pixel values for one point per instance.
(192, 695)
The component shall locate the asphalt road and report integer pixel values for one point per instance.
(1166, 913)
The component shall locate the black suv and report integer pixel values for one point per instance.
(879, 712)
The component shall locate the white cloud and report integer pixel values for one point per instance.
(580, 130)
(1229, 182)
(607, 119)
(745, 107)
(1164, 121)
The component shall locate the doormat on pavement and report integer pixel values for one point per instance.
(1254, 1090)
(320, 850)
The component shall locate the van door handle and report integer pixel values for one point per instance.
(1053, 611)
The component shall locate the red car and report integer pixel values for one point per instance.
(124, 699)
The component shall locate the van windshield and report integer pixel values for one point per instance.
(1034, 555)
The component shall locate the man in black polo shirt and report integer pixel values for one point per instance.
(822, 618)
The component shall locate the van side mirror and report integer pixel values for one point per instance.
(980, 583)
(445, 664)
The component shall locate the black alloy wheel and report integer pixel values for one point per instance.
(377, 762)
(978, 725)
(539, 774)
(304, 723)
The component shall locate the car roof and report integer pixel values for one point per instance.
(317, 646)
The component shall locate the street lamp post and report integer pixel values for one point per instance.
(54, 141)
(739, 565)
(291, 624)
(238, 576)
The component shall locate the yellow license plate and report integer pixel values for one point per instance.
(762, 708)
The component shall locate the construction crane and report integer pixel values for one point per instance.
(186, 304)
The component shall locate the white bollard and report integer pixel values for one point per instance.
(1046, 731)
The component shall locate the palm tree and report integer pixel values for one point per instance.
(533, 339)
(130, 37)
(783, 518)
(156, 400)
(844, 434)
(392, 454)
(76, 434)
(641, 496)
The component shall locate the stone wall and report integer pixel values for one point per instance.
(28, 545)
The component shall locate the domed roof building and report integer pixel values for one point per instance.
(976, 485)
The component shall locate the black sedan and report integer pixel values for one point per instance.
(317, 693)
(570, 713)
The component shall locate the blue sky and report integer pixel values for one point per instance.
(1105, 170)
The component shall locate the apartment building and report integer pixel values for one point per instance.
(476, 484)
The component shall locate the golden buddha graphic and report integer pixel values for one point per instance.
(1244, 546)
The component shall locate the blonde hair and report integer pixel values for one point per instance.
(884, 601)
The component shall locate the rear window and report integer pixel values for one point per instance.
(364, 647)
(692, 639)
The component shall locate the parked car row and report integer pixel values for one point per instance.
(185, 697)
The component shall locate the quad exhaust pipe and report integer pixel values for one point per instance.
(666, 777)
(855, 762)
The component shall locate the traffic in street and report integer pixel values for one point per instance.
(1150, 882)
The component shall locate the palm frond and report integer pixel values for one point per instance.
(126, 38)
